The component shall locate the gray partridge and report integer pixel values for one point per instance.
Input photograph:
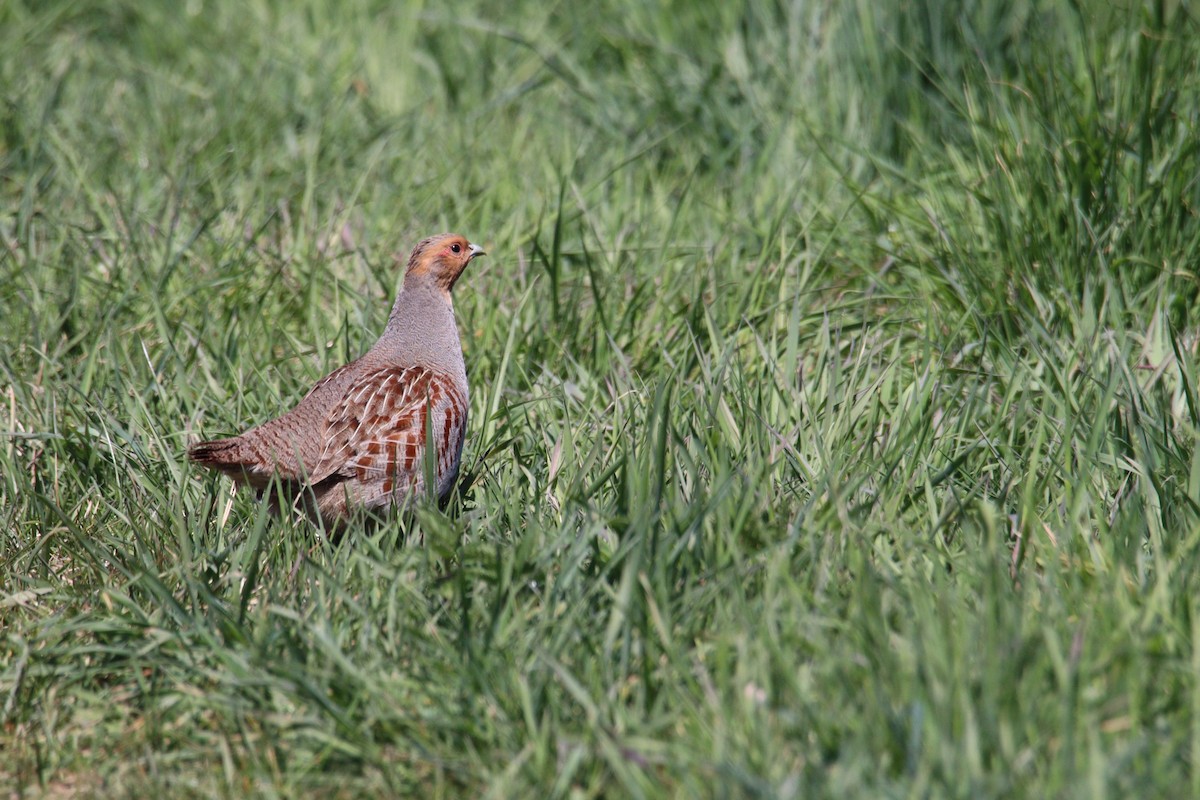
(359, 438)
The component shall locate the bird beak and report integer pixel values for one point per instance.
(476, 250)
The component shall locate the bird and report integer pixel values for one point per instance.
(370, 433)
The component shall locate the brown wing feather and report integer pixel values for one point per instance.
(376, 435)
(376, 406)
(279, 448)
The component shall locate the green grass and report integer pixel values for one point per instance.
(834, 398)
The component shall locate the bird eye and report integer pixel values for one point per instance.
(456, 247)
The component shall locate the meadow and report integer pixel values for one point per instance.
(834, 398)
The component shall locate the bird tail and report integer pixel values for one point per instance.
(223, 455)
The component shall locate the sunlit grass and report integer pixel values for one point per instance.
(833, 414)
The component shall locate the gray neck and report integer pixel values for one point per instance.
(421, 330)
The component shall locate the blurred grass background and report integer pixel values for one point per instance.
(833, 418)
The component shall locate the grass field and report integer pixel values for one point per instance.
(833, 419)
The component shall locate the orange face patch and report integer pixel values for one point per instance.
(442, 258)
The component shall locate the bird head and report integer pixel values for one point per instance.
(440, 259)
